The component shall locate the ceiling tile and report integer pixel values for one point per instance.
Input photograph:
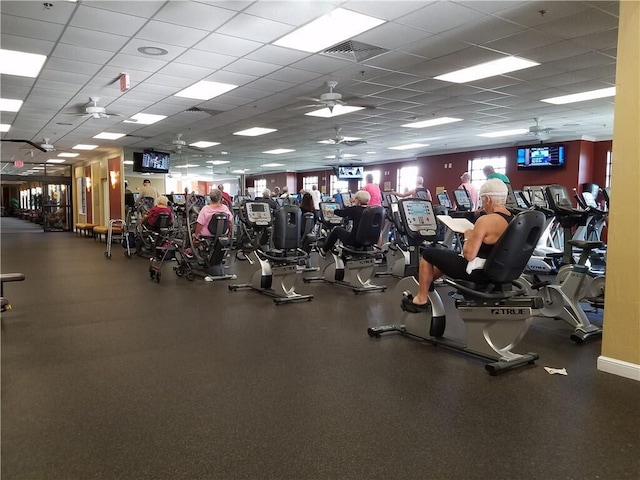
(106, 21)
(252, 67)
(255, 28)
(482, 30)
(72, 66)
(598, 41)
(440, 16)
(173, 51)
(228, 45)
(171, 34)
(522, 42)
(588, 21)
(81, 54)
(276, 55)
(92, 39)
(287, 74)
(34, 10)
(66, 77)
(435, 46)
(194, 15)
(528, 13)
(29, 45)
(146, 64)
(24, 27)
(141, 9)
(213, 61)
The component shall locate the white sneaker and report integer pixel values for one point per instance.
(208, 279)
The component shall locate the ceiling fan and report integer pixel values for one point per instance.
(42, 147)
(92, 110)
(339, 139)
(343, 159)
(178, 145)
(328, 99)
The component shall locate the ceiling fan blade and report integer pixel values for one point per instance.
(35, 145)
(316, 100)
(306, 106)
(353, 143)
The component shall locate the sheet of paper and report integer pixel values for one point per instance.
(557, 371)
(459, 225)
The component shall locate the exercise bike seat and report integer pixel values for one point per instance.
(586, 245)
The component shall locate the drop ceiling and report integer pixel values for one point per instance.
(90, 43)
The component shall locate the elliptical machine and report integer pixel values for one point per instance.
(495, 315)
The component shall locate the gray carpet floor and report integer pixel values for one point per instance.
(106, 374)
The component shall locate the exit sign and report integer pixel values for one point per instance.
(18, 163)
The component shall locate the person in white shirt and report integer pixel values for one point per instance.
(317, 197)
(466, 184)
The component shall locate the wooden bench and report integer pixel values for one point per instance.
(100, 230)
(86, 229)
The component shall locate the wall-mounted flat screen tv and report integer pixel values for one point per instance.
(349, 173)
(540, 157)
(151, 161)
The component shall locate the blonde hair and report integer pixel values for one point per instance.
(363, 197)
(162, 200)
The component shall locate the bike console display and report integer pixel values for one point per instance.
(327, 214)
(418, 218)
(258, 214)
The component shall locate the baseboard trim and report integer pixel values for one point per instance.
(619, 367)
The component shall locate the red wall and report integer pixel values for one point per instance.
(584, 162)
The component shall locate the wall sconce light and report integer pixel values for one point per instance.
(113, 178)
(88, 182)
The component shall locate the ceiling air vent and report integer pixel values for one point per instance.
(356, 51)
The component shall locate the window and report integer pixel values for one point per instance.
(476, 165)
(406, 179)
(376, 178)
(335, 185)
(607, 175)
(259, 186)
(309, 182)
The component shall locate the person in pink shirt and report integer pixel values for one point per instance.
(214, 206)
(373, 190)
(465, 178)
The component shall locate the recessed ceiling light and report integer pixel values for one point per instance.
(273, 165)
(337, 110)
(145, 118)
(409, 146)
(328, 30)
(205, 90)
(488, 69)
(20, 63)
(240, 171)
(56, 160)
(9, 105)
(371, 152)
(70, 155)
(504, 133)
(224, 153)
(217, 162)
(81, 146)
(581, 97)
(128, 162)
(155, 51)
(4, 127)
(203, 144)
(431, 123)
(278, 151)
(109, 136)
(188, 165)
(255, 131)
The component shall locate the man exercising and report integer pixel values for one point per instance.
(479, 242)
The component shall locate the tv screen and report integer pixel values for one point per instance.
(540, 157)
(350, 173)
(151, 161)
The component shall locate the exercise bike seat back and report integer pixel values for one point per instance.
(218, 225)
(508, 258)
(369, 230)
(287, 228)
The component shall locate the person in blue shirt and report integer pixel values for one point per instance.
(490, 173)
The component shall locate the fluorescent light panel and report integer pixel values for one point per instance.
(81, 146)
(205, 90)
(188, 165)
(128, 162)
(69, 155)
(345, 155)
(409, 146)
(581, 97)
(20, 63)
(488, 69)
(203, 144)
(432, 123)
(255, 131)
(240, 171)
(9, 105)
(145, 118)
(273, 165)
(504, 133)
(109, 136)
(337, 110)
(328, 30)
(279, 151)
(217, 162)
(4, 127)
(56, 160)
